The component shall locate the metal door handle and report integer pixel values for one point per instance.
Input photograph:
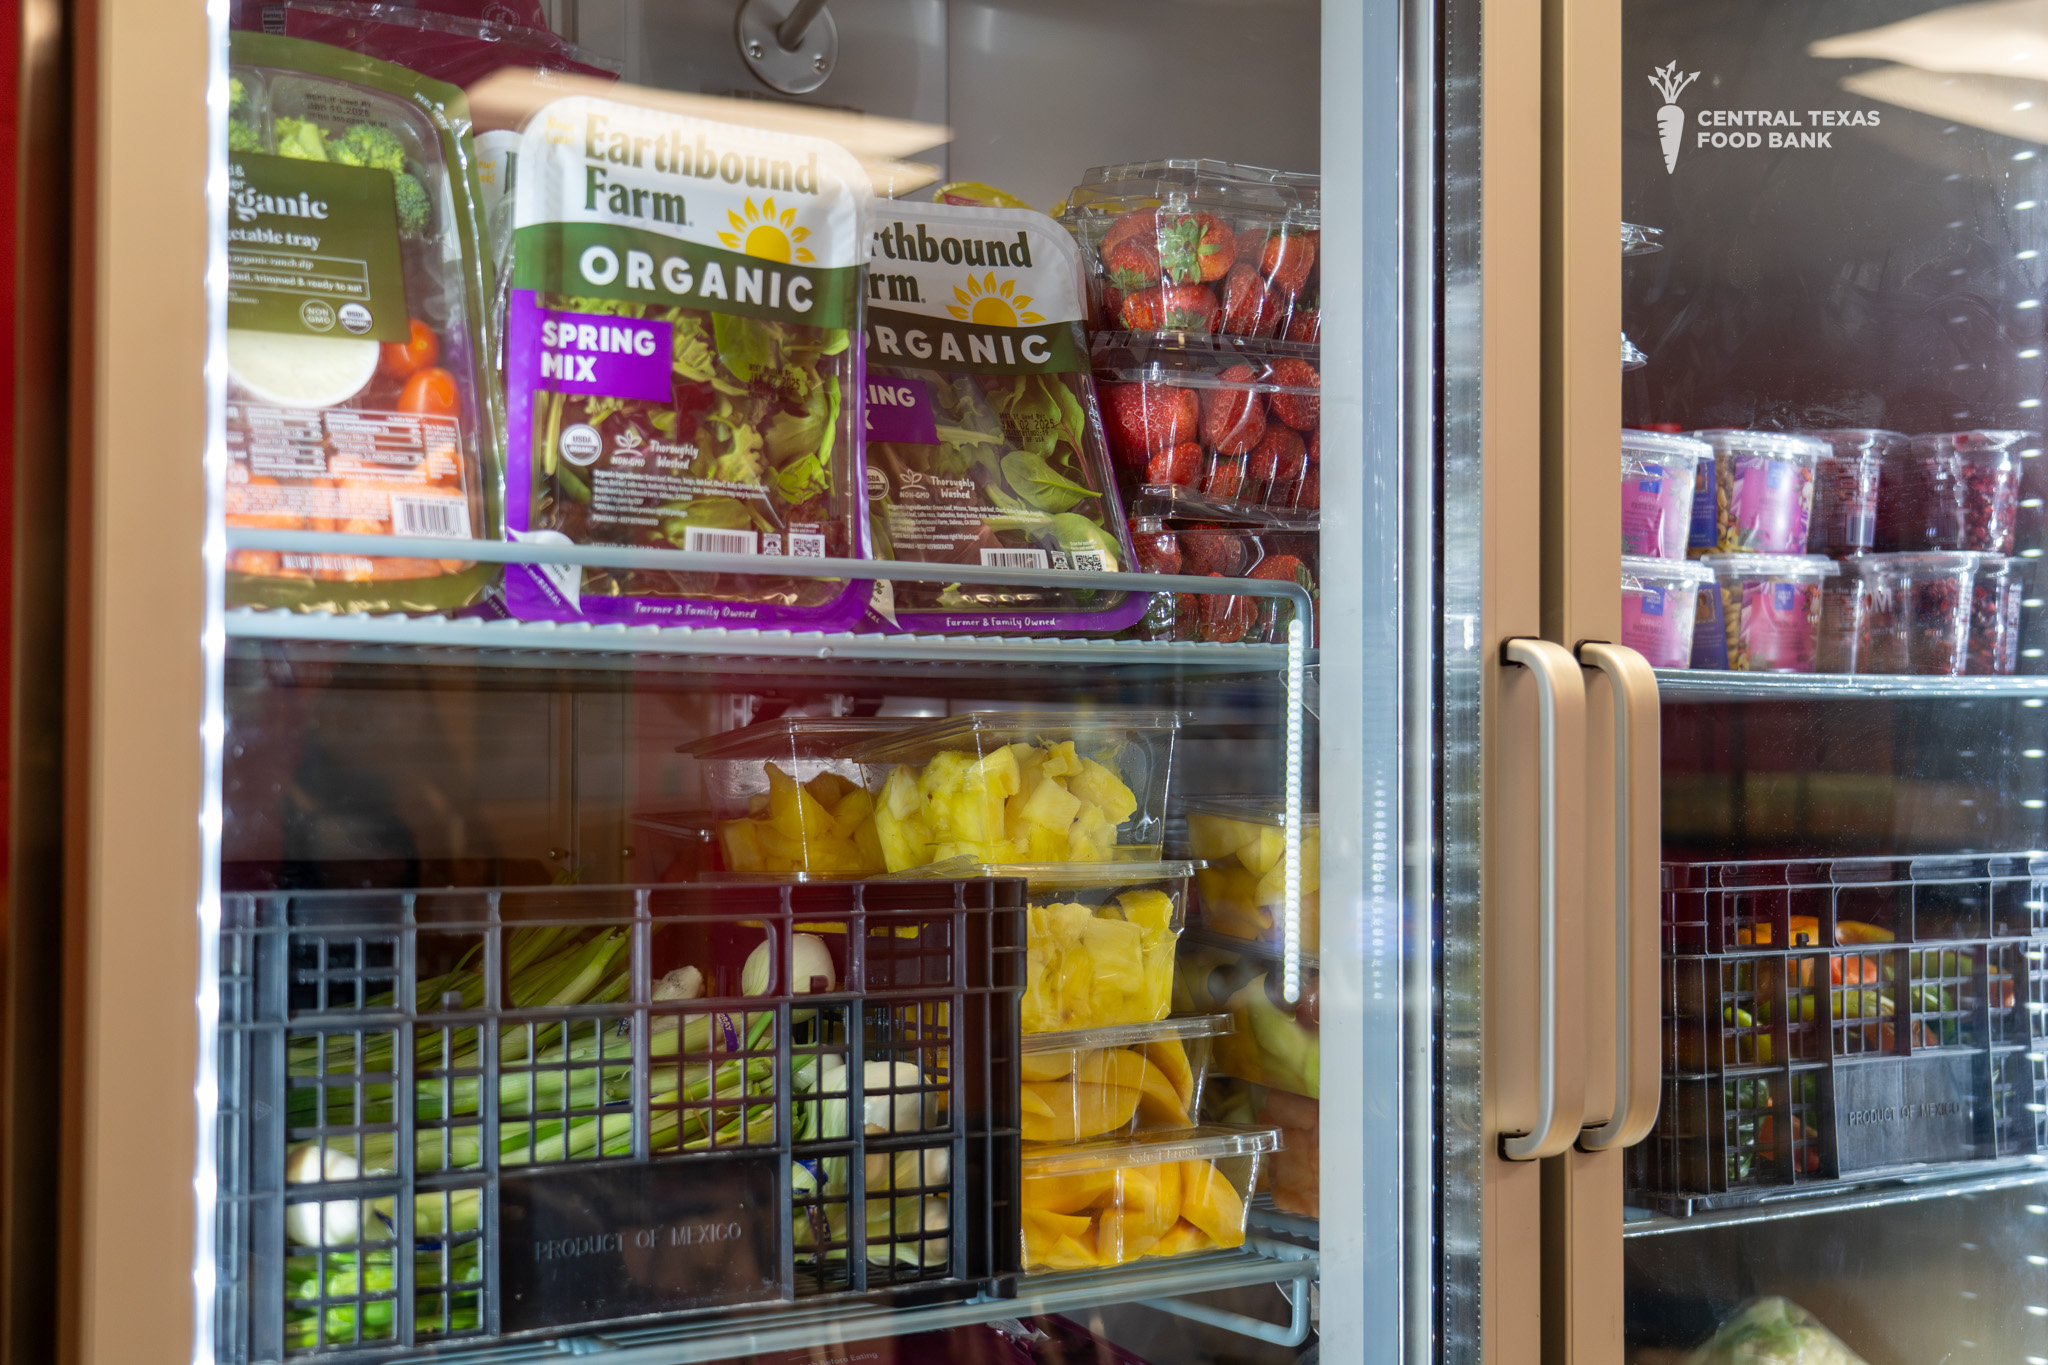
(1560, 693)
(1638, 1076)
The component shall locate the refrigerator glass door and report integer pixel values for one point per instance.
(1835, 290)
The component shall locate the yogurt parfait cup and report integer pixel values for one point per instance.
(1659, 599)
(1845, 489)
(1842, 598)
(1657, 481)
(1959, 490)
(1994, 616)
(1768, 609)
(1917, 616)
(1763, 490)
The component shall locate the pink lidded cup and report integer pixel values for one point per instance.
(1770, 610)
(1763, 490)
(1658, 600)
(1845, 490)
(1657, 481)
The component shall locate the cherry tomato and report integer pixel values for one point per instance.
(431, 391)
(420, 349)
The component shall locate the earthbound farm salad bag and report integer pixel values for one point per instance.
(984, 442)
(680, 367)
(360, 398)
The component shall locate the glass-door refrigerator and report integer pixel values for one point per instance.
(739, 681)
(1831, 533)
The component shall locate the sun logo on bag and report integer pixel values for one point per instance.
(764, 234)
(985, 302)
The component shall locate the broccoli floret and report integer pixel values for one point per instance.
(238, 97)
(412, 204)
(300, 138)
(369, 144)
(243, 138)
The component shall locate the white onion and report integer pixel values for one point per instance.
(811, 958)
(684, 983)
(321, 1225)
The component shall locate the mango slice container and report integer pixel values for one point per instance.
(1022, 787)
(1242, 893)
(1270, 1042)
(1089, 1205)
(1292, 1179)
(784, 800)
(1118, 1081)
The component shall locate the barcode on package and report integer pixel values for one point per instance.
(1013, 559)
(1089, 561)
(429, 516)
(711, 542)
(806, 546)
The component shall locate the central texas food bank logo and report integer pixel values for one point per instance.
(1671, 119)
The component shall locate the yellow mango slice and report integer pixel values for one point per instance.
(1113, 1066)
(1265, 848)
(1035, 1101)
(1180, 1239)
(1211, 1203)
(1171, 1060)
(1079, 1109)
(1050, 1066)
(1160, 1102)
(1212, 836)
(792, 810)
(1119, 1239)
(853, 809)
(1101, 787)
(743, 852)
(1066, 1193)
(869, 841)
(1069, 1253)
(828, 788)
(1057, 1225)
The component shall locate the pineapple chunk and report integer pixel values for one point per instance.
(1264, 849)
(1101, 787)
(1051, 807)
(1213, 836)
(1091, 838)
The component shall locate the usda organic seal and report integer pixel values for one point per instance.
(581, 444)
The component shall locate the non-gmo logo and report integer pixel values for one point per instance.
(317, 314)
(1671, 119)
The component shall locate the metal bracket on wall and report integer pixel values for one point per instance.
(790, 45)
(1296, 1289)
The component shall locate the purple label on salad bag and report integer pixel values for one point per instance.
(611, 357)
(900, 410)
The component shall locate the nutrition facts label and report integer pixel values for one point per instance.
(338, 468)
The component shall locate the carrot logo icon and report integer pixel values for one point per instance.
(1671, 119)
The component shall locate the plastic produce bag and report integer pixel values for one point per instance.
(359, 398)
(450, 41)
(985, 445)
(681, 363)
(1774, 1331)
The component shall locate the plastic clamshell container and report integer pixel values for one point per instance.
(1843, 599)
(1846, 483)
(1271, 1041)
(1658, 476)
(1089, 1205)
(1916, 617)
(1994, 616)
(1637, 240)
(1767, 611)
(784, 801)
(1022, 787)
(1233, 552)
(1242, 892)
(1200, 246)
(1099, 942)
(1116, 1081)
(1959, 490)
(1293, 1177)
(1659, 599)
(1632, 357)
(1763, 490)
(1237, 423)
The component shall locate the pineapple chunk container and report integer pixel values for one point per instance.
(1118, 1081)
(1030, 787)
(1242, 893)
(1099, 942)
(785, 801)
(1090, 1205)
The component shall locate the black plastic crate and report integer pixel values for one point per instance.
(450, 1117)
(1837, 1019)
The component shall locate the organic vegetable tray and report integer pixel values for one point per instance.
(1835, 1019)
(459, 1116)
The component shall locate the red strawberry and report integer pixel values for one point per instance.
(1279, 569)
(1195, 246)
(1308, 497)
(1215, 553)
(1132, 263)
(1306, 326)
(1187, 616)
(1315, 446)
(1226, 617)
(1138, 225)
(1158, 551)
(1225, 481)
(1278, 459)
(1170, 308)
(1249, 309)
(1180, 466)
(1142, 418)
(1233, 420)
(1112, 308)
(1288, 257)
(1302, 411)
